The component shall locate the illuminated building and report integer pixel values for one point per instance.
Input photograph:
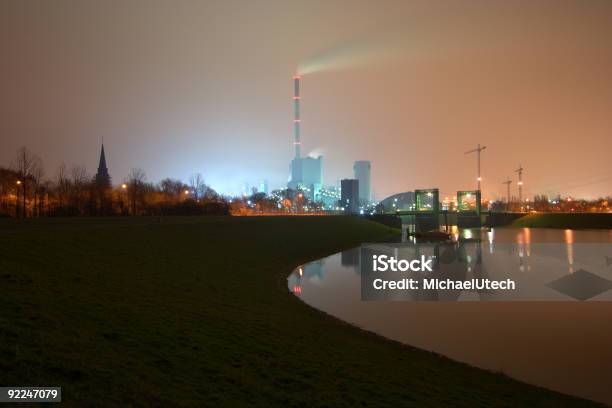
(263, 187)
(329, 196)
(361, 170)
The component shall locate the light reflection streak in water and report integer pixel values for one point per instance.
(569, 241)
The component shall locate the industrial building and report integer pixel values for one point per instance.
(349, 195)
(361, 170)
(306, 172)
(307, 175)
(263, 187)
(329, 197)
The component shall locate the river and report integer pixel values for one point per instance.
(556, 342)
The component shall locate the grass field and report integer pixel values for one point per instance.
(196, 312)
(566, 220)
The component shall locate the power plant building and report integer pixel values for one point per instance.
(361, 169)
(307, 175)
(349, 195)
(329, 196)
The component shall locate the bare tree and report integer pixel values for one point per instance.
(172, 189)
(24, 163)
(38, 172)
(197, 185)
(136, 187)
(45, 193)
(79, 183)
(79, 175)
(63, 186)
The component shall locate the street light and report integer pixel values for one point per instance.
(124, 187)
(18, 182)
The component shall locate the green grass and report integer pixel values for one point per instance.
(565, 220)
(196, 312)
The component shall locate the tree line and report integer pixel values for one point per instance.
(26, 191)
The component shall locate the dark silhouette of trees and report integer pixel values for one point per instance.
(79, 183)
(9, 189)
(38, 173)
(197, 186)
(24, 191)
(172, 189)
(62, 190)
(101, 195)
(136, 189)
(26, 164)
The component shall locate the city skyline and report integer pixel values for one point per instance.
(205, 88)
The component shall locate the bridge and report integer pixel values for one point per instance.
(426, 215)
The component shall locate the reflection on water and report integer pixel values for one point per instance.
(560, 345)
(569, 241)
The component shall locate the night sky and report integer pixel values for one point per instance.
(177, 87)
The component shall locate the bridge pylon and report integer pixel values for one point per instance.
(469, 209)
(427, 209)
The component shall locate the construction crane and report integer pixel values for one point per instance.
(520, 185)
(507, 183)
(477, 150)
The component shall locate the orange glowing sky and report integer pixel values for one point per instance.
(176, 87)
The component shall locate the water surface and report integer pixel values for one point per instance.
(563, 344)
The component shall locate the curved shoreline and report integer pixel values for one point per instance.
(326, 306)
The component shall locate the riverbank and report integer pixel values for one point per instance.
(196, 312)
(565, 220)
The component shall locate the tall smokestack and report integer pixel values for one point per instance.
(296, 115)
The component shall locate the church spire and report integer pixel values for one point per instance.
(102, 169)
(102, 176)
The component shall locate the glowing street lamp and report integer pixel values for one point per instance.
(18, 182)
(124, 187)
(186, 192)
